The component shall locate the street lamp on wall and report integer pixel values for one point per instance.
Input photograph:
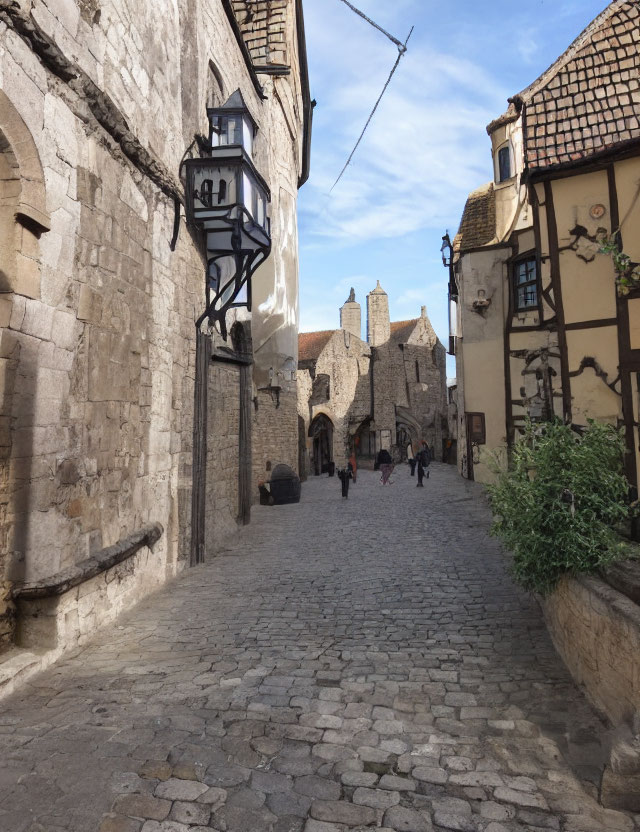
(447, 261)
(226, 206)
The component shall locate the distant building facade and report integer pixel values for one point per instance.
(385, 392)
(542, 325)
(97, 311)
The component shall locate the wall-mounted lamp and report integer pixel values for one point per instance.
(226, 206)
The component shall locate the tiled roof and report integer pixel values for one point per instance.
(588, 102)
(401, 330)
(478, 224)
(311, 344)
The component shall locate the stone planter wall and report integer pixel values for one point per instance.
(596, 630)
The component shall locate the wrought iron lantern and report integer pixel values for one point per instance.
(227, 201)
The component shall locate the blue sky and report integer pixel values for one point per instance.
(427, 146)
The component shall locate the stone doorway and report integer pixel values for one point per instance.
(365, 441)
(321, 431)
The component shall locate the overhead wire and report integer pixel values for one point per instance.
(401, 50)
(402, 47)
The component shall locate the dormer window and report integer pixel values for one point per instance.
(504, 163)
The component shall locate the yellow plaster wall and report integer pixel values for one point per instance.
(627, 175)
(591, 398)
(588, 289)
(484, 393)
(526, 241)
(634, 323)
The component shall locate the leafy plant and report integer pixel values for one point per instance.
(557, 505)
(627, 272)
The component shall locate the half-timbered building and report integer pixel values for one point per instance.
(544, 323)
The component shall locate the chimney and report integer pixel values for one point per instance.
(378, 323)
(351, 316)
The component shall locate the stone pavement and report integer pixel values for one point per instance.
(346, 665)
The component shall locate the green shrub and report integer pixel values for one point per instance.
(557, 506)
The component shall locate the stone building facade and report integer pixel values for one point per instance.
(543, 326)
(384, 392)
(99, 102)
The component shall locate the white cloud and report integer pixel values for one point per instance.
(424, 150)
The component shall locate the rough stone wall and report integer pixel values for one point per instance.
(264, 26)
(378, 326)
(276, 425)
(410, 386)
(351, 318)
(345, 359)
(596, 630)
(97, 335)
(223, 449)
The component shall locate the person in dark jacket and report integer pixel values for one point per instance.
(385, 463)
(424, 459)
(344, 475)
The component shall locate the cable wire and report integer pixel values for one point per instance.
(401, 46)
(373, 112)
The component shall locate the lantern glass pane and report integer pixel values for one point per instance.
(226, 130)
(247, 135)
(254, 199)
(247, 193)
(214, 186)
(233, 133)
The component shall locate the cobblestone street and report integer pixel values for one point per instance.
(348, 664)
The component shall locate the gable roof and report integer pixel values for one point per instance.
(401, 330)
(311, 344)
(478, 223)
(588, 101)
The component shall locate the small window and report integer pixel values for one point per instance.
(504, 163)
(476, 428)
(525, 289)
(417, 371)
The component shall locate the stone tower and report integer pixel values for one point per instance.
(378, 324)
(351, 316)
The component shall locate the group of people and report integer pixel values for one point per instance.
(384, 463)
(419, 461)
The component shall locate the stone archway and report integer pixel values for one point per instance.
(23, 219)
(321, 431)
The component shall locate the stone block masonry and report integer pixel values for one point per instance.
(596, 630)
(98, 102)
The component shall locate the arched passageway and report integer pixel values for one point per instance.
(321, 431)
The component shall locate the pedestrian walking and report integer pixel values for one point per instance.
(424, 460)
(385, 463)
(353, 466)
(344, 475)
(411, 459)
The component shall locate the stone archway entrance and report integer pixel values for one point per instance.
(23, 219)
(364, 441)
(404, 437)
(321, 431)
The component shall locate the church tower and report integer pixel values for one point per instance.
(378, 323)
(351, 316)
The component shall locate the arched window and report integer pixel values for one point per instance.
(215, 87)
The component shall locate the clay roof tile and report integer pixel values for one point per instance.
(311, 344)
